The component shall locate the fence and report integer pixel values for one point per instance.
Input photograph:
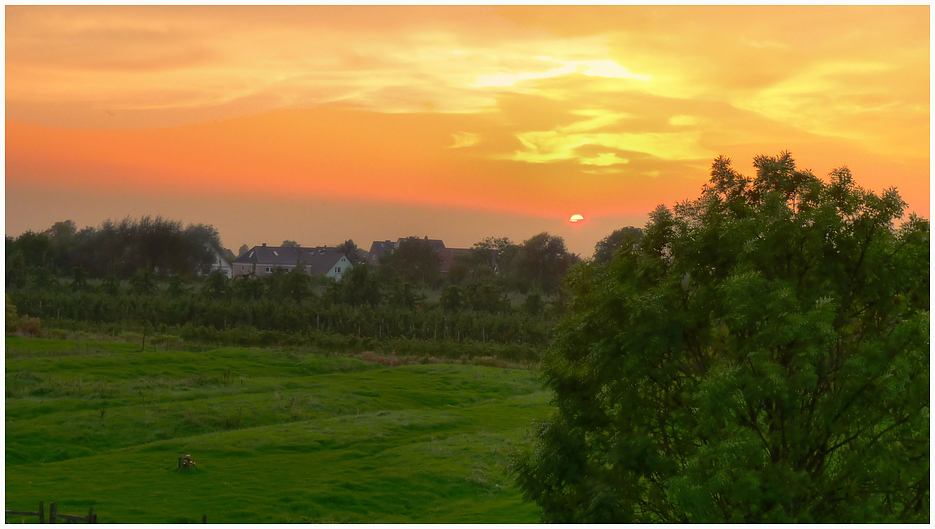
(54, 514)
(40, 514)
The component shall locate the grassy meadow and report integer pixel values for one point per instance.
(278, 435)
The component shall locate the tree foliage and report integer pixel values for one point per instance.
(628, 237)
(541, 262)
(216, 286)
(119, 248)
(416, 261)
(358, 287)
(761, 356)
(484, 260)
(486, 296)
(349, 248)
(452, 298)
(143, 282)
(12, 318)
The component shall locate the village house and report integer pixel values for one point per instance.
(260, 261)
(222, 262)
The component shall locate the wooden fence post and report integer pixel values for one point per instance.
(41, 513)
(52, 512)
(90, 514)
(204, 518)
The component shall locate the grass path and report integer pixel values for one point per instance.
(278, 436)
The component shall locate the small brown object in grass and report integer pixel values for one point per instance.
(185, 462)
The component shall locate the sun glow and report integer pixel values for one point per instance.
(518, 110)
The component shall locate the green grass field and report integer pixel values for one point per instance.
(278, 436)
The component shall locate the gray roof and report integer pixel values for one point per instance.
(436, 244)
(320, 260)
(269, 256)
(382, 246)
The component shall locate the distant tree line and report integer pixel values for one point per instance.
(537, 265)
(117, 250)
(139, 274)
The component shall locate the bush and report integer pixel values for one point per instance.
(30, 327)
(12, 318)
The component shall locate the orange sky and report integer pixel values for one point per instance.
(320, 124)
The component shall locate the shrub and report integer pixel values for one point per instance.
(30, 327)
(12, 318)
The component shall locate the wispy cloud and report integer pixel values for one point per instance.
(614, 108)
(464, 139)
(599, 68)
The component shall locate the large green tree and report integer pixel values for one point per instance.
(761, 356)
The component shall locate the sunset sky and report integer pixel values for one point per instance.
(320, 124)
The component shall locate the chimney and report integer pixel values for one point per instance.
(426, 237)
(264, 245)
